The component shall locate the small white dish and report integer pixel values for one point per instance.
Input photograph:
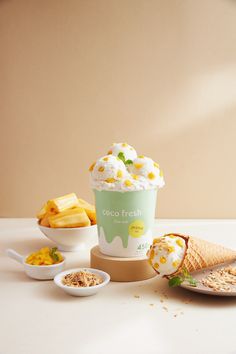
(82, 291)
(71, 238)
(40, 272)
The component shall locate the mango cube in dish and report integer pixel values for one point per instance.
(45, 256)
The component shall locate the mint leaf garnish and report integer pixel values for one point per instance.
(128, 162)
(188, 277)
(192, 281)
(184, 276)
(175, 281)
(121, 156)
(185, 272)
(54, 255)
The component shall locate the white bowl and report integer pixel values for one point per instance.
(71, 238)
(82, 291)
(40, 272)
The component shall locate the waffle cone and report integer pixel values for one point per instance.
(202, 254)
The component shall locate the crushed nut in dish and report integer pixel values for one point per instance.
(82, 279)
(221, 279)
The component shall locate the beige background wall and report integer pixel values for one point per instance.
(76, 76)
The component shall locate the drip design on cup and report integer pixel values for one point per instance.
(125, 187)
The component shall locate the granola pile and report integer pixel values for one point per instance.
(221, 279)
(82, 279)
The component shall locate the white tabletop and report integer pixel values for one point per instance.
(139, 317)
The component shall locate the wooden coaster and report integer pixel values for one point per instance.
(121, 269)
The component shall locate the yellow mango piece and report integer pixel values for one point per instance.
(42, 212)
(110, 180)
(46, 262)
(44, 257)
(92, 166)
(75, 217)
(138, 165)
(44, 221)
(44, 250)
(128, 183)
(151, 175)
(89, 210)
(62, 203)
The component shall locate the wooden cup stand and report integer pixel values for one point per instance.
(121, 269)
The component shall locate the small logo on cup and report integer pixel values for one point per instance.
(136, 228)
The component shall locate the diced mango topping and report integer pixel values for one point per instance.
(128, 183)
(180, 243)
(152, 254)
(138, 165)
(124, 145)
(156, 265)
(101, 169)
(135, 176)
(45, 256)
(151, 175)
(92, 167)
(110, 180)
(171, 249)
(175, 264)
(119, 174)
(163, 260)
(109, 152)
(105, 158)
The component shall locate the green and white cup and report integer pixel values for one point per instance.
(125, 221)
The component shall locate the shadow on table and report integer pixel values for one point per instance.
(160, 289)
(16, 276)
(197, 299)
(25, 247)
(52, 293)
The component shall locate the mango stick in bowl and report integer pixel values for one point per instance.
(60, 204)
(70, 222)
(75, 217)
(89, 209)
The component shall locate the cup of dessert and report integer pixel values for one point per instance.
(44, 264)
(70, 222)
(125, 187)
(82, 281)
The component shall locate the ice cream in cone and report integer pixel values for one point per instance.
(172, 253)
